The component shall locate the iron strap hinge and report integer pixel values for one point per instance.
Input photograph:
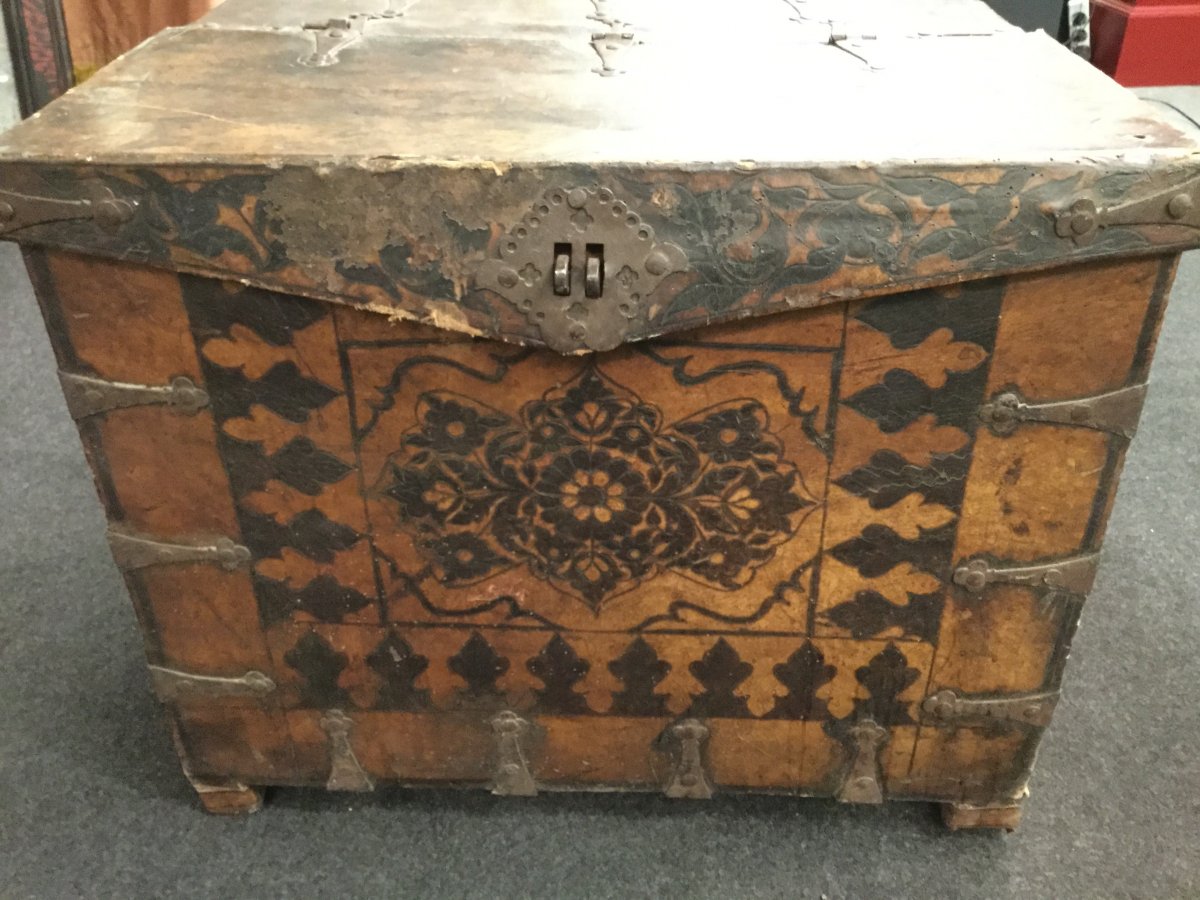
(1116, 412)
(1070, 574)
(1165, 204)
(110, 213)
(132, 552)
(171, 685)
(1026, 709)
(88, 396)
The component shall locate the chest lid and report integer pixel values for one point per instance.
(583, 173)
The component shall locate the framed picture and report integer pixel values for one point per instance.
(37, 37)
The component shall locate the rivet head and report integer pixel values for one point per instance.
(112, 214)
(7, 213)
(577, 198)
(508, 278)
(657, 263)
(1180, 206)
(1083, 222)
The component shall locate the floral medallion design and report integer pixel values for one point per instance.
(592, 491)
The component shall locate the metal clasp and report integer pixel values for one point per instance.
(512, 777)
(345, 771)
(864, 778)
(688, 779)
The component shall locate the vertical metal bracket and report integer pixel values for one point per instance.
(1071, 575)
(688, 779)
(1026, 709)
(512, 777)
(132, 552)
(1116, 412)
(171, 685)
(87, 396)
(864, 779)
(345, 772)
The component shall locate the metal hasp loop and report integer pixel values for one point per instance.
(512, 777)
(1071, 575)
(132, 552)
(1164, 205)
(171, 685)
(688, 779)
(345, 772)
(1025, 709)
(109, 212)
(1116, 412)
(864, 779)
(87, 396)
(623, 265)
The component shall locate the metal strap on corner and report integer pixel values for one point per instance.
(1026, 709)
(109, 212)
(172, 685)
(87, 396)
(1116, 412)
(1071, 574)
(132, 552)
(1163, 204)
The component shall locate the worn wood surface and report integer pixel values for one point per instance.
(423, 160)
(519, 82)
(753, 526)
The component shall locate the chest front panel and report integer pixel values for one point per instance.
(759, 527)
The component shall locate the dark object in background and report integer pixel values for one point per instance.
(37, 40)
(1046, 15)
(487, 479)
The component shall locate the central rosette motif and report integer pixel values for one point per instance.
(592, 492)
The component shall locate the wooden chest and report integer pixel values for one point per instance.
(558, 395)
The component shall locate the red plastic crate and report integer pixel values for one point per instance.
(1147, 42)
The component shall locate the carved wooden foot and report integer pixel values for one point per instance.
(964, 815)
(228, 799)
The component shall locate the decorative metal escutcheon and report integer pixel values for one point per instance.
(579, 267)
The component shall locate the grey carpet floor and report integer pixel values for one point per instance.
(92, 803)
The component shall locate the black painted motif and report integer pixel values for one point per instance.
(593, 491)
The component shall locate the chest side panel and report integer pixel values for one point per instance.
(753, 527)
